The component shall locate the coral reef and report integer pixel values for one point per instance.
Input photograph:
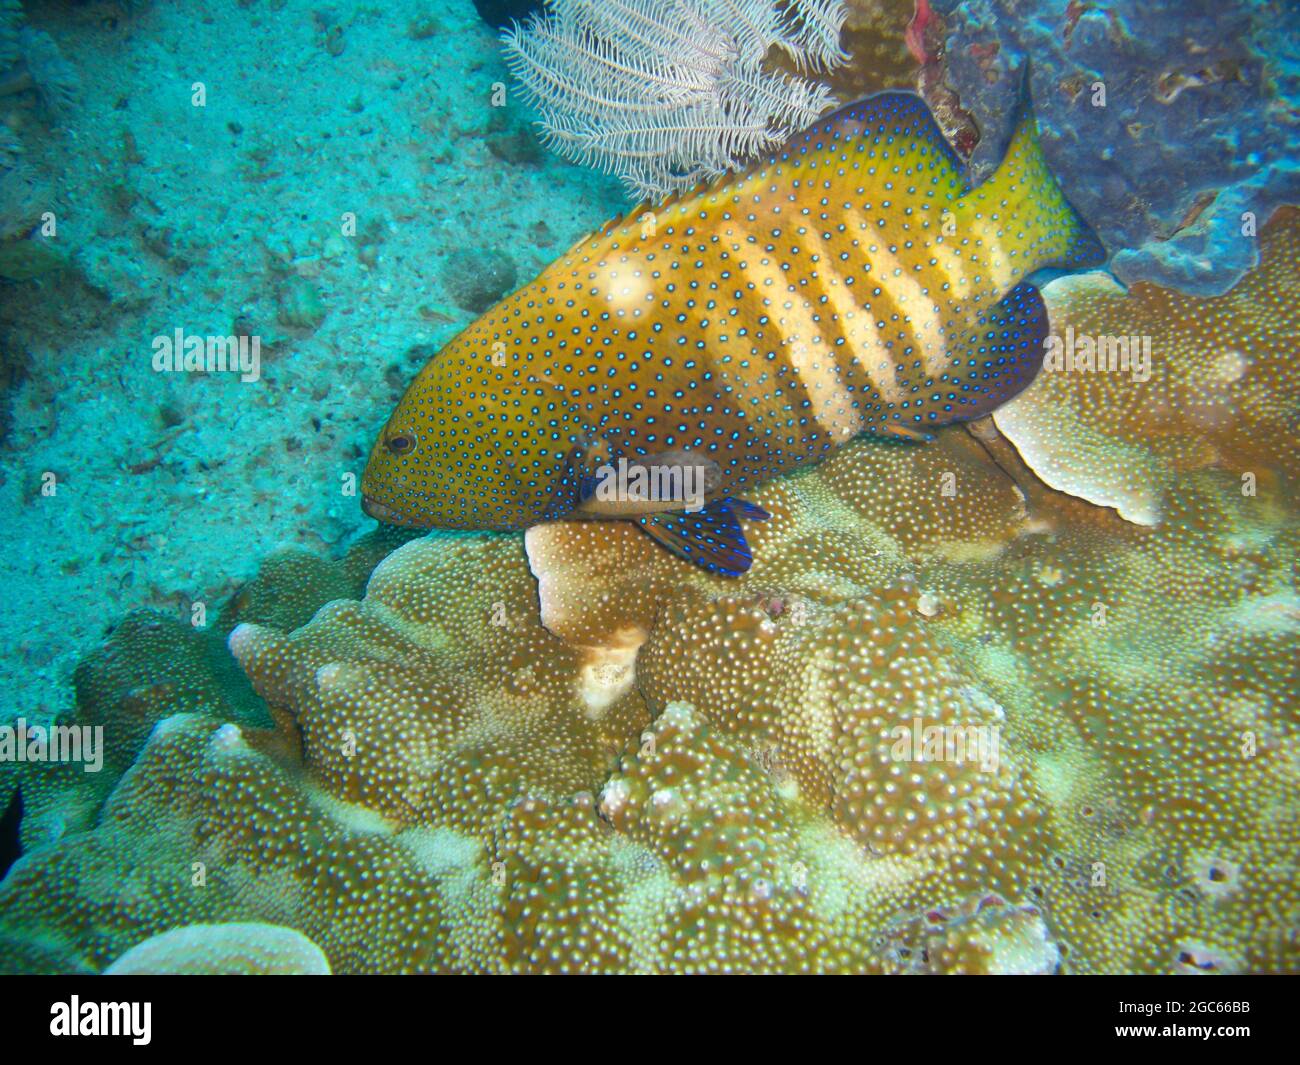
(875, 39)
(153, 666)
(223, 950)
(953, 720)
(1171, 125)
(11, 19)
(1218, 387)
(1021, 700)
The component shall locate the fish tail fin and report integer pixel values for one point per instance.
(1023, 205)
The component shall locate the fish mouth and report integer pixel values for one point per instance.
(383, 513)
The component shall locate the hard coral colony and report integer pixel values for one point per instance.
(876, 552)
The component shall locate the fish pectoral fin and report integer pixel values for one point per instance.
(590, 454)
(711, 538)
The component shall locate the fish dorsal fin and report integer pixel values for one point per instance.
(896, 110)
(899, 110)
(711, 538)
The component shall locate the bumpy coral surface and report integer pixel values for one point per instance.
(1215, 389)
(955, 719)
(231, 949)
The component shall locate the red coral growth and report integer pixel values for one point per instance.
(924, 19)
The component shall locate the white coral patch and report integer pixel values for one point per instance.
(241, 640)
(614, 797)
(680, 716)
(228, 738)
(1023, 947)
(607, 674)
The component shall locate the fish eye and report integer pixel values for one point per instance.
(401, 444)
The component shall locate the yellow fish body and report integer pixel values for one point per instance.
(661, 368)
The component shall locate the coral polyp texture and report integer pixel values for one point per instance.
(1207, 384)
(958, 717)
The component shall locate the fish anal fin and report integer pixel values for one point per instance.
(1003, 353)
(711, 538)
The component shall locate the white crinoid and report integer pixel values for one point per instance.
(666, 92)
